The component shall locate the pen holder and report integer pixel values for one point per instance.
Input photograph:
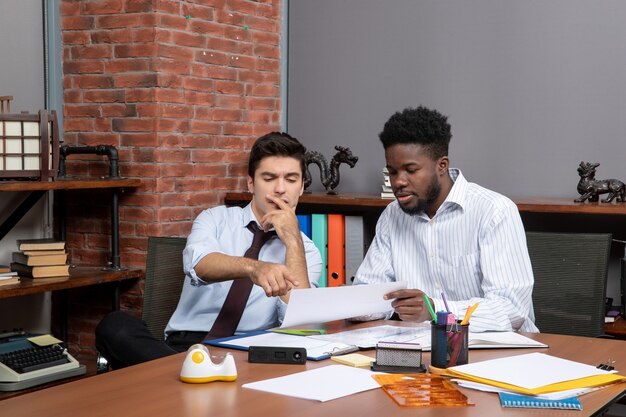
(449, 344)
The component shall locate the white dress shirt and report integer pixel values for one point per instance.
(473, 250)
(223, 230)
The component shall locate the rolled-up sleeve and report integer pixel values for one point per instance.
(202, 241)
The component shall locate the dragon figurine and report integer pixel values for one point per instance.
(329, 174)
(590, 188)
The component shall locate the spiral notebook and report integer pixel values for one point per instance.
(509, 400)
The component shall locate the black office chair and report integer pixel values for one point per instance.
(570, 272)
(164, 281)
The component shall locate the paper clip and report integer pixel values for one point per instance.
(608, 366)
(343, 351)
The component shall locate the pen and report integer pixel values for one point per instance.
(300, 332)
(430, 308)
(468, 314)
(445, 302)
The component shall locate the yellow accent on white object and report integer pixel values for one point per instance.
(198, 367)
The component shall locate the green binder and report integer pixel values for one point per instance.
(319, 236)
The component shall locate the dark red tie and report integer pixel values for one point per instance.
(229, 316)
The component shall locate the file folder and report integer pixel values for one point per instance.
(336, 250)
(316, 349)
(304, 220)
(319, 236)
(355, 249)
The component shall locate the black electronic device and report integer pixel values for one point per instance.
(280, 355)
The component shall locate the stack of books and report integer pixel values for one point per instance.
(7, 276)
(41, 259)
(387, 192)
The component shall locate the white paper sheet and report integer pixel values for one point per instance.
(319, 305)
(321, 384)
(529, 371)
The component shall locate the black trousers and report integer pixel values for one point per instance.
(125, 340)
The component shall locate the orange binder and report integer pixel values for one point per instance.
(336, 250)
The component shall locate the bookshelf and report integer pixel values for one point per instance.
(36, 189)
(81, 276)
(361, 202)
(370, 206)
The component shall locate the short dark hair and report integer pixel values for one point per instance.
(422, 126)
(275, 144)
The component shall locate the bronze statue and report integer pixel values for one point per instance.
(328, 175)
(590, 189)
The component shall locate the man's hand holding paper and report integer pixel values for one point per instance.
(321, 305)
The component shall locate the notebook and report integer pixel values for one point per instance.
(509, 400)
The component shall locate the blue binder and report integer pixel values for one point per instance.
(305, 224)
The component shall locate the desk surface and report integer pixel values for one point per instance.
(153, 389)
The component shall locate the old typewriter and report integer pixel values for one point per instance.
(27, 360)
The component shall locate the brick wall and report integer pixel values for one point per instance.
(181, 89)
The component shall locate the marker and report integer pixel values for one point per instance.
(430, 308)
(442, 317)
(468, 314)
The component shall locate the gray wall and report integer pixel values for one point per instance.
(22, 64)
(22, 76)
(531, 88)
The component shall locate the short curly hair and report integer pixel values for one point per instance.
(422, 126)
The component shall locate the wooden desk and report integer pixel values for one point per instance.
(153, 389)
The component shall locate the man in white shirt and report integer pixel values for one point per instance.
(217, 256)
(447, 237)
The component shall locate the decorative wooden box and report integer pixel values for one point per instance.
(29, 146)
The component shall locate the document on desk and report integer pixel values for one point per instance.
(534, 373)
(315, 349)
(420, 333)
(320, 305)
(321, 384)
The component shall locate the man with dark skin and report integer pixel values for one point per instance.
(445, 235)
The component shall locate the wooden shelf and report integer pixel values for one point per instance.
(69, 184)
(319, 198)
(525, 205)
(79, 277)
(568, 206)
